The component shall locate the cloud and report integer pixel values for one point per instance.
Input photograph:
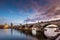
(28, 19)
(40, 9)
(48, 11)
(3, 20)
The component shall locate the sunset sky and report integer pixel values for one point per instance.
(21, 11)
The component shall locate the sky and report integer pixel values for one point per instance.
(22, 11)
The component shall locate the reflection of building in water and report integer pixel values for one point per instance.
(34, 29)
(6, 26)
(11, 28)
(6, 30)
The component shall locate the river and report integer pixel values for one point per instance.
(8, 34)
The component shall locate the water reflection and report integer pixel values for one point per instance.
(34, 32)
(6, 30)
(38, 35)
(11, 31)
(8, 34)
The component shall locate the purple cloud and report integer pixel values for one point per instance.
(47, 11)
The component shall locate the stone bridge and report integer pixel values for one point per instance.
(44, 24)
(39, 25)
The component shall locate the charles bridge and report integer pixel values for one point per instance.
(40, 25)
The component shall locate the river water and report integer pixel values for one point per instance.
(8, 34)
